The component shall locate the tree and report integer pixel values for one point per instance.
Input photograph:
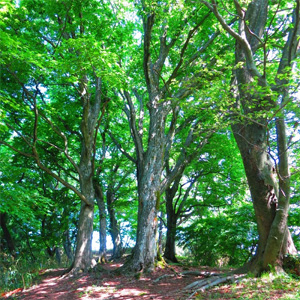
(167, 54)
(261, 94)
(210, 183)
(56, 75)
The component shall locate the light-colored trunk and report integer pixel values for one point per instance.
(83, 253)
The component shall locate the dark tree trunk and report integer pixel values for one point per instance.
(102, 221)
(250, 129)
(114, 228)
(68, 246)
(270, 201)
(160, 234)
(170, 252)
(6, 234)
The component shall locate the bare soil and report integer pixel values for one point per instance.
(103, 283)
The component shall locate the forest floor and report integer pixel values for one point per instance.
(164, 283)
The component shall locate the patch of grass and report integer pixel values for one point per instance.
(269, 286)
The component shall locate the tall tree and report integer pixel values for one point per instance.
(53, 96)
(168, 53)
(261, 94)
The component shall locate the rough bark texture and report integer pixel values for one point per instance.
(270, 201)
(250, 129)
(90, 114)
(149, 174)
(83, 254)
(149, 162)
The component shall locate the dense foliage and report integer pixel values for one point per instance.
(130, 105)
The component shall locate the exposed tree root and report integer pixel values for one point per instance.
(212, 280)
(185, 273)
(163, 277)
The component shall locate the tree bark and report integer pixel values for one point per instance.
(90, 114)
(114, 228)
(170, 252)
(6, 234)
(102, 221)
(251, 133)
(83, 253)
(68, 246)
(149, 174)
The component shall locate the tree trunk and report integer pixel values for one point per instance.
(90, 114)
(83, 253)
(170, 252)
(114, 229)
(149, 174)
(270, 201)
(280, 242)
(102, 221)
(6, 234)
(160, 234)
(68, 246)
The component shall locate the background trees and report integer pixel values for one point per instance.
(130, 104)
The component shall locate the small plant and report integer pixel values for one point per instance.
(21, 272)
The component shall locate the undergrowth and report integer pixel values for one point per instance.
(22, 272)
(269, 286)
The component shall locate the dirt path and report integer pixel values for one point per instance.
(105, 285)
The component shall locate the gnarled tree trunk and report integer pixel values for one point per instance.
(149, 174)
(270, 200)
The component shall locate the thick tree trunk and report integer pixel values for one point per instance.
(145, 250)
(280, 242)
(114, 229)
(90, 114)
(270, 201)
(260, 173)
(149, 186)
(83, 253)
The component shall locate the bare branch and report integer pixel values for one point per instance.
(16, 150)
(121, 149)
(240, 38)
(131, 115)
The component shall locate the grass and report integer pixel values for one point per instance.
(269, 287)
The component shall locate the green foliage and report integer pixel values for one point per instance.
(22, 272)
(277, 287)
(225, 236)
(51, 49)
